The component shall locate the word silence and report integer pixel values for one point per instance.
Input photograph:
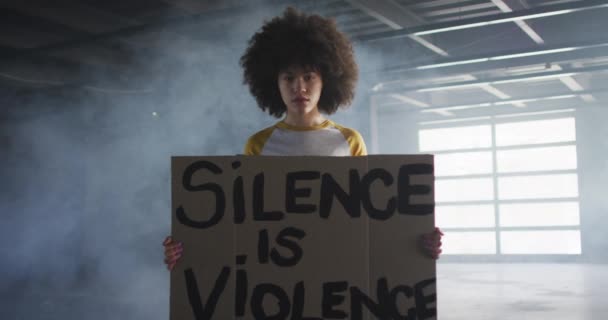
(354, 197)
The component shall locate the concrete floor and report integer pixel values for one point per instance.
(466, 291)
(522, 291)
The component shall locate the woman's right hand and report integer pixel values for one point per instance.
(173, 251)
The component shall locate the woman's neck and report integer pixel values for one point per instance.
(304, 120)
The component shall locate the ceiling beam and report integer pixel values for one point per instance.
(405, 99)
(197, 6)
(520, 15)
(73, 14)
(388, 12)
(460, 9)
(136, 29)
(59, 72)
(507, 6)
(524, 26)
(62, 22)
(569, 82)
(397, 17)
(493, 103)
(497, 60)
(90, 21)
(572, 84)
(495, 80)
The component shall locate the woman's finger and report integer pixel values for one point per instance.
(432, 243)
(173, 244)
(436, 235)
(437, 253)
(172, 258)
(173, 247)
(174, 255)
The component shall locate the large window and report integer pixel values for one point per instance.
(506, 186)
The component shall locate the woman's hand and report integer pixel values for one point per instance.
(431, 243)
(173, 251)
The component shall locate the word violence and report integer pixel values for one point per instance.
(388, 303)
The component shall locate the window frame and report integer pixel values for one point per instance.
(499, 256)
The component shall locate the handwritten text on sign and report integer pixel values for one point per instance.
(302, 237)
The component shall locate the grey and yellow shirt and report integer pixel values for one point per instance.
(325, 139)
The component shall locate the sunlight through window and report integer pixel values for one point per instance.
(516, 193)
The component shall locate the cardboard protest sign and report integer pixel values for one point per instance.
(302, 237)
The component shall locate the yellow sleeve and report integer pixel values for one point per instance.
(255, 143)
(357, 145)
(355, 141)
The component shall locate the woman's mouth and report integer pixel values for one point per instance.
(300, 99)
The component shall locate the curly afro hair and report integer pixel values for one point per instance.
(298, 39)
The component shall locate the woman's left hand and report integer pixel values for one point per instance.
(431, 243)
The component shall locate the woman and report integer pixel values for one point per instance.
(301, 67)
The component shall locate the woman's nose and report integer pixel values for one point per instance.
(299, 85)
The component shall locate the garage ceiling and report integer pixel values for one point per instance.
(444, 58)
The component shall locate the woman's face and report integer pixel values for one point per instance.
(300, 90)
